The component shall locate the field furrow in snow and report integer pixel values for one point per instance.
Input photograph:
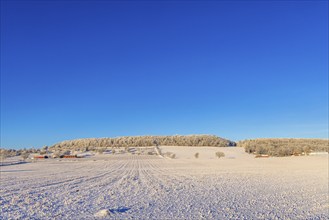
(140, 186)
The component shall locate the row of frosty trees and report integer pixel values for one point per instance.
(144, 141)
(284, 146)
(269, 146)
(97, 144)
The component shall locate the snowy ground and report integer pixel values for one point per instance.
(238, 186)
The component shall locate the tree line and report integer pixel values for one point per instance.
(144, 141)
(284, 146)
(270, 146)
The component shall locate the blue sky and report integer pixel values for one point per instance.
(236, 69)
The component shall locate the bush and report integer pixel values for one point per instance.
(43, 152)
(3, 155)
(25, 155)
(101, 150)
(170, 155)
(56, 154)
(220, 154)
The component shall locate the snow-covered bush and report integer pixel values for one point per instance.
(220, 154)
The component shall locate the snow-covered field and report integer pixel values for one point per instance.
(237, 186)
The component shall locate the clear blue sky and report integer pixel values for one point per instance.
(236, 69)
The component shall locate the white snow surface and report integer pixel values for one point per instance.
(128, 186)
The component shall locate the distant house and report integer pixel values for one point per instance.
(262, 156)
(40, 157)
(68, 156)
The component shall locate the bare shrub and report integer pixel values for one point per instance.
(3, 155)
(56, 154)
(43, 152)
(196, 155)
(25, 155)
(101, 150)
(220, 154)
(170, 155)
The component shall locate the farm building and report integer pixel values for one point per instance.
(262, 156)
(40, 157)
(68, 156)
